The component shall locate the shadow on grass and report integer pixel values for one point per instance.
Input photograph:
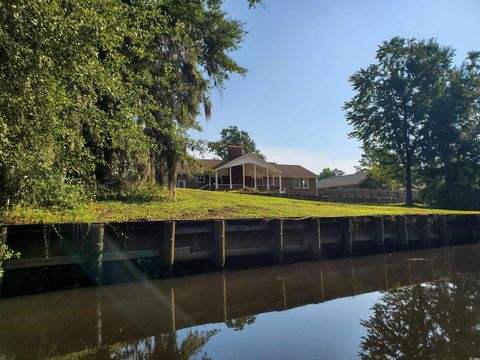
(137, 195)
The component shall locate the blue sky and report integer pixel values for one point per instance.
(300, 53)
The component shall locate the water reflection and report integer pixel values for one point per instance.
(187, 317)
(439, 320)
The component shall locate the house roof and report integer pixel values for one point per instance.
(294, 170)
(286, 170)
(250, 159)
(339, 181)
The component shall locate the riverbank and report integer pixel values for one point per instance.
(199, 204)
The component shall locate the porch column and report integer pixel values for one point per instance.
(254, 176)
(280, 182)
(273, 180)
(216, 179)
(230, 176)
(243, 174)
(268, 181)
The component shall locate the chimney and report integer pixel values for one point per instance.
(234, 151)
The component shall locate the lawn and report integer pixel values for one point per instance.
(200, 204)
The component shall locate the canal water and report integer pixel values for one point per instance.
(415, 305)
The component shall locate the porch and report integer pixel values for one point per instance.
(248, 171)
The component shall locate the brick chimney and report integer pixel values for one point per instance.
(234, 151)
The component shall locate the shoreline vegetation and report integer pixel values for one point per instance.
(201, 205)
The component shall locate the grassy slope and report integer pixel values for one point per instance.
(199, 204)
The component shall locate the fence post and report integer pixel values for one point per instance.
(315, 244)
(97, 237)
(402, 231)
(219, 243)
(379, 234)
(168, 248)
(277, 228)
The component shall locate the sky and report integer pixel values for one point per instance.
(300, 54)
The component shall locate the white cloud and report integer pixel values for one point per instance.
(312, 160)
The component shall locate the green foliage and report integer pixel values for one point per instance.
(416, 106)
(101, 94)
(383, 170)
(329, 173)
(232, 136)
(450, 153)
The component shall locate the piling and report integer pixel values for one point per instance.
(476, 228)
(168, 248)
(219, 243)
(346, 242)
(3, 242)
(315, 243)
(97, 236)
(442, 226)
(278, 243)
(379, 234)
(425, 235)
(402, 232)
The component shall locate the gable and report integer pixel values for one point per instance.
(249, 159)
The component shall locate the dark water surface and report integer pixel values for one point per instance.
(419, 304)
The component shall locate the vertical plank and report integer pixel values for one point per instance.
(402, 232)
(99, 318)
(443, 230)
(475, 228)
(315, 243)
(219, 243)
(379, 234)
(3, 241)
(425, 236)
(97, 236)
(277, 228)
(168, 248)
(346, 242)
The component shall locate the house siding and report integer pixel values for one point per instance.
(191, 181)
(288, 185)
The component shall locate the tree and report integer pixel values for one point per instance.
(329, 173)
(393, 98)
(232, 136)
(98, 94)
(450, 152)
(382, 168)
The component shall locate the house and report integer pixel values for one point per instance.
(352, 181)
(242, 170)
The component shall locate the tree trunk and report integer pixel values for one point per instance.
(408, 179)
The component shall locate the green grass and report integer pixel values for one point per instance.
(199, 204)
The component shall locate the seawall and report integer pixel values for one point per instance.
(71, 255)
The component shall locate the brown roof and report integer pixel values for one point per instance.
(339, 181)
(211, 163)
(294, 170)
(288, 170)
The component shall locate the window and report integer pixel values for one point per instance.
(181, 183)
(259, 182)
(296, 183)
(301, 183)
(201, 179)
(305, 184)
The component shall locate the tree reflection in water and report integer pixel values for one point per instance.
(438, 320)
(163, 346)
